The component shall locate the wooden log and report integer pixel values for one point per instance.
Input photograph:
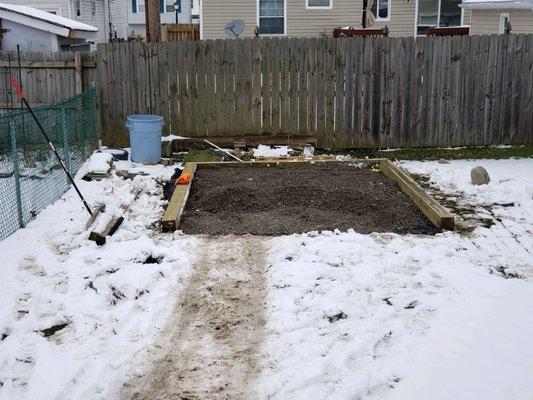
(431, 208)
(100, 237)
(174, 211)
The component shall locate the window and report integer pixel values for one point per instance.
(504, 19)
(437, 13)
(137, 6)
(380, 9)
(169, 6)
(319, 4)
(450, 13)
(165, 6)
(271, 15)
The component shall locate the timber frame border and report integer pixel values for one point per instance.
(430, 207)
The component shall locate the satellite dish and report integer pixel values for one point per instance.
(234, 28)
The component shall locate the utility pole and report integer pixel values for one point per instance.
(153, 21)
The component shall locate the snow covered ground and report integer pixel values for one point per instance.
(408, 317)
(348, 316)
(112, 303)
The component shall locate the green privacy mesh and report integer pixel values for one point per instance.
(30, 176)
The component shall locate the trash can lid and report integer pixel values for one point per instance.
(145, 118)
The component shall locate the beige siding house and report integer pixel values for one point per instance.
(490, 16)
(316, 17)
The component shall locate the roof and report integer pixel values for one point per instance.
(498, 4)
(44, 20)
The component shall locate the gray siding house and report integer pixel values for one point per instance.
(37, 30)
(490, 16)
(120, 18)
(109, 16)
(316, 17)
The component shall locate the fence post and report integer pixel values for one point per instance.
(64, 139)
(77, 72)
(16, 173)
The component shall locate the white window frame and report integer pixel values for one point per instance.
(389, 10)
(308, 7)
(503, 16)
(137, 7)
(284, 21)
(438, 17)
(142, 12)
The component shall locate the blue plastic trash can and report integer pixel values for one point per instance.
(145, 137)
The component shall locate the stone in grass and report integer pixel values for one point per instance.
(443, 161)
(479, 176)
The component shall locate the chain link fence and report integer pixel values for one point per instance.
(30, 176)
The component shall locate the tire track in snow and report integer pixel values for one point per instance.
(217, 329)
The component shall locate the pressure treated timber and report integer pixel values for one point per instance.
(243, 141)
(431, 208)
(172, 216)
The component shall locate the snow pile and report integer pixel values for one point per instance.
(74, 316)
(378, 316)
(510, 180)
(274, 151)
(99, 163)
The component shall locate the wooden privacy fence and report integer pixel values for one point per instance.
(175, 32)
(350, 92)
(46, 77)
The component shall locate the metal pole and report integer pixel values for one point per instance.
(225, 151)
(16, 173)
(64, 138)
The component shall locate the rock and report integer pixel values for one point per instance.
(479, 176)
(443, 161)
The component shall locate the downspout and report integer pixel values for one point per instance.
(110, 22)
(365, 5)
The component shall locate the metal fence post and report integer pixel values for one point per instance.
(64, 139)
(16, 173)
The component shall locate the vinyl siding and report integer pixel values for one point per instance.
(402, 18)
(61, 7)
(488, 21)
(302, 21)
(217, 13)
(467, 15)
(95, 13)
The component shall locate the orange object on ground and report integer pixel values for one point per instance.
(184, 179)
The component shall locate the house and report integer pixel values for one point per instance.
(37, 30)
(109, 16)
(113, 18)
(136, 21)
(491, 16)
(317, 17)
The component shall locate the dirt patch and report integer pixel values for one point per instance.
(214, 338)
(298, 199)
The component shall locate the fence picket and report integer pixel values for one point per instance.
(350, 92)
